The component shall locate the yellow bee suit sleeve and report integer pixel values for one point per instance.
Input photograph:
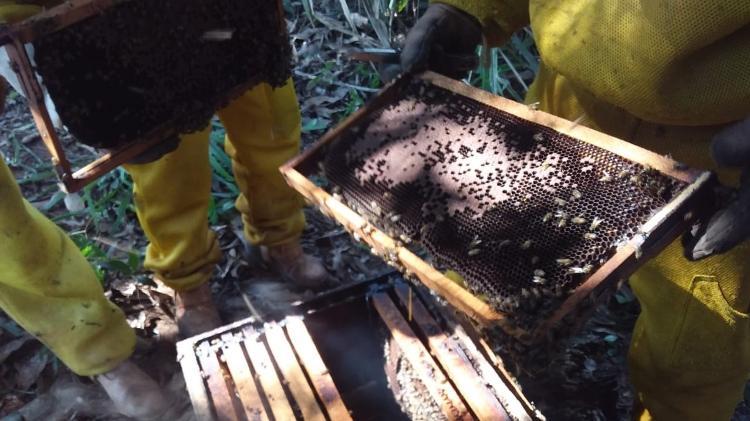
(678, 63)
(48, 288)
(690, 352)
(172, 194)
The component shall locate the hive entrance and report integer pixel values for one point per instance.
(522, 212)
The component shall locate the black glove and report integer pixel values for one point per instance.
(444, 39)
(730, 225)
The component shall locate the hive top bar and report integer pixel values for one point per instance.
(524, 212)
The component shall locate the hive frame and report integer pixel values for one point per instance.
(13, 37)
(655, 234)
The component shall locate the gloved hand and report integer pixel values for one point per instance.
(730, 225)
(444, 39)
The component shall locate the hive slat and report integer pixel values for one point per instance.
(221, 395)
(268, 378)
(429, 373)
(471, 386)
(312, 363)
(243, 379)
(292, 372)
(194, 381)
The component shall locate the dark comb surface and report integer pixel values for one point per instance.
(142, 63)
(522, 212)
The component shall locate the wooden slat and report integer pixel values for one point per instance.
(429, 372)
(316, 369)
(470, 385)
(269, 380)
(217, 385)
(292, 373)
(243, 379)
(194, 380)
(490, 368)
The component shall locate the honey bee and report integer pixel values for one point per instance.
(595, 224)
(564, 262)
(474, 252)
(578, 220)
(526, 244)
(539, 280)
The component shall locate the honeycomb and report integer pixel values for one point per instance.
(139, 64)
(522, 212)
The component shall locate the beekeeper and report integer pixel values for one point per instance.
(47, 286)
(673, 77)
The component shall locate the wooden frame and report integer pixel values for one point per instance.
(655, 234)
(13, 37)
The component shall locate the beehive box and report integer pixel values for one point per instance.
(127, 74)
(533, 211)
(382, 351)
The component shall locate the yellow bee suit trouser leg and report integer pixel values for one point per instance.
(690, 353)
(172, 194)
(48, 288)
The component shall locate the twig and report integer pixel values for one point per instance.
(513, 69)
(335, 82)
(253, 311)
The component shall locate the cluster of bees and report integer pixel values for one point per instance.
(178, 63)
(525, 214)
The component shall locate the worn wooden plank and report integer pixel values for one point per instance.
(243, 379)
(429, 372)
(470, 385)
(316, 369)
(292, 373)
(194, 383)
(269, 380)
(488, 366)
(217, 385)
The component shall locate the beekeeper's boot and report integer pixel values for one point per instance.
(289, 261)
(134, 393)
(195, 311)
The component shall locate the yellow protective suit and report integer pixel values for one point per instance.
(172, 193)
(48, 287)
(664, 75)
